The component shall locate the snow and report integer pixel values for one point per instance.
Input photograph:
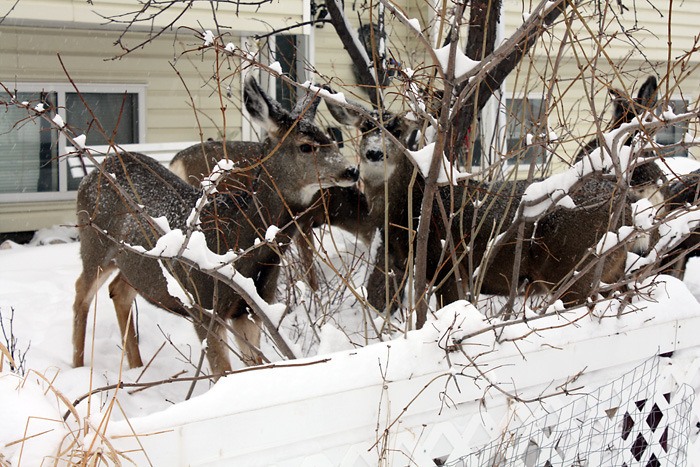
(59, 121)
(423, 158)
(79, 141)
(463, 64)
(271, 233)
(208, 37)
(37, 283)
(276, 67)
(414, 23)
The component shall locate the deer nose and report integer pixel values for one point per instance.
(374, 155)
(353, 174)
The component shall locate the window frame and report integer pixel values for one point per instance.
(513, 161)
(659, 110)
(61, 89)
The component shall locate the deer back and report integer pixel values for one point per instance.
(194, 163)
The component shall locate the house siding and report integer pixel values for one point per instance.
(29, 54)
(29, 48)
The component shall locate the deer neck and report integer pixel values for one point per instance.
(238, 219)
(392, 193)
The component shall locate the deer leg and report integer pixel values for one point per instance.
(385, 286)
(87, 285)
(247, 334)
(306, 256)
(123, 295)
(216, 347)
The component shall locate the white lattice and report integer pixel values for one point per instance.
(640, 419)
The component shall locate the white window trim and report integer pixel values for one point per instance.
(61, 89)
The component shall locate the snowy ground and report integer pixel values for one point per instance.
(36, 293)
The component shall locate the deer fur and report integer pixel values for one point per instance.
(552, 248)
(683, 193)
(299, 160)
(343, 207)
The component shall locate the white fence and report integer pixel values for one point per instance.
(410, 402)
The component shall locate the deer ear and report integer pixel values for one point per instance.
(615, 93)
(342, 114)
(263, 109)
(306, 106)
(647, 95)
(620, 105)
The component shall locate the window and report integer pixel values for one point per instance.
(674, 134)
(28, 148)
(286, 55)
(523, 117)
(30, 167)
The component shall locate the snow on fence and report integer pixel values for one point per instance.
(550, 393)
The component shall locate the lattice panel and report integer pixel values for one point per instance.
(641, 419)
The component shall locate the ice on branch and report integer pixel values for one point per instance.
(79, 141)
(271, 233)
(58, 121)
(220, 170)
(414, 23)
(276, 67)
(325, 93)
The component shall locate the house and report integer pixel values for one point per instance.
(168, 92)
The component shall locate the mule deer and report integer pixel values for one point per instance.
(344, 207)
(553, 249)
(298, 160)
(683, 193)
(646, 176)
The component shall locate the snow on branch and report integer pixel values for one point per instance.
(423, 159)
(463, 64)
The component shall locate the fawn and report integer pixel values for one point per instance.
(297, 160)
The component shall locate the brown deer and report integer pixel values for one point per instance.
(297, 160)
(647, 178)
(683, 193)
(343, 207)
(554, 248)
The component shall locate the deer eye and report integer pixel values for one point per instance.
(306, 148)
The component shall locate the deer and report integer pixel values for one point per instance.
(682, 193)
(298, 160)
(343, 207)
(647, 178)
(554, 247)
